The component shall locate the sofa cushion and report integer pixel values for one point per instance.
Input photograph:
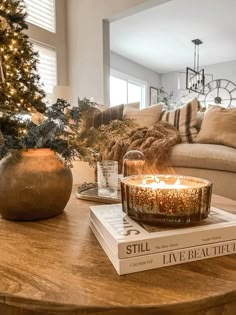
(134, 105)
(105, 116)
(112, 113)
(200, 116)
(204, 156)
(218, 127)
(184, 119)
(144, 117)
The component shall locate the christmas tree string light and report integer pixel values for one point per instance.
(1, 71)
(19, 79)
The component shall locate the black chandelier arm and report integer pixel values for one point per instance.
(198, 58)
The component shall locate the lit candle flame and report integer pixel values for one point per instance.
(162, 185)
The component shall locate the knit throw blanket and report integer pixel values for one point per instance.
(155, 142)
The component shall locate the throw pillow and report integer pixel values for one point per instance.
(144, 117)
(184, 119)
(111, 113)
(218, 127)
(135, 105)
(105, 116)
(199, 120)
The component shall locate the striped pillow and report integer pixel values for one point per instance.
(112, 113)
(184, 119)
(105, 116)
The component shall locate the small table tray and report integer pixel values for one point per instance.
(90, 192)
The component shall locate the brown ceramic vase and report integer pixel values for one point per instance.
(34, 186)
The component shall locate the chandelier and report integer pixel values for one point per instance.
(195, 78)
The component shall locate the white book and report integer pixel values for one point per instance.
(128, 238)
(164, 259)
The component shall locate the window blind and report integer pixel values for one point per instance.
(47, 68)
(41, 13)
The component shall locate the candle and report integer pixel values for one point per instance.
(157, 183)
(166, 198)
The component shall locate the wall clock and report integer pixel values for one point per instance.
(220, 91)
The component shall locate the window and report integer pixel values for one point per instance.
(47, 19)
(118, 91)
(41, 13)
(125, 89)
(47, 68)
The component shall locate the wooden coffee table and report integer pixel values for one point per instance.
(56, 266)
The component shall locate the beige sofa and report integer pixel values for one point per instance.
(216, 163)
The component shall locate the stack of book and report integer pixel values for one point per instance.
(132, 246)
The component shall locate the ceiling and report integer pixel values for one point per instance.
(160, 38)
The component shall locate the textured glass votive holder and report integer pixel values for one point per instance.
(107, 178)
(167, 199)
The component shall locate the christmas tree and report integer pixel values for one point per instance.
(25, 121)
(19, 81)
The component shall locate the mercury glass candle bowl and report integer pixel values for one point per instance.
(166, 199)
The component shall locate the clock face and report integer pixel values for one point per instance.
(220, 91)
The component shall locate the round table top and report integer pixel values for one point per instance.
(57, 266)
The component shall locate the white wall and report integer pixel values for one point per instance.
(87, 62)
(135, 70)
(169, 81)
(224, 70)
